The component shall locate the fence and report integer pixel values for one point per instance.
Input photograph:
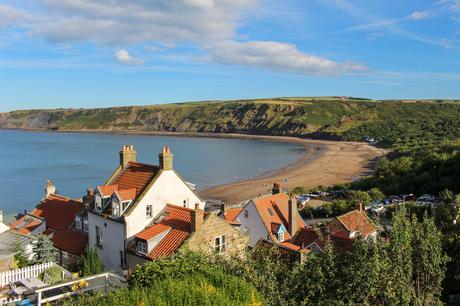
(24, 273)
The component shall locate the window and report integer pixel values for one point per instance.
(78, 224)
(99, 239)
(280, 237)
(85, 225)
(221, 244)
(148, 211)
(115, 208)
(246, 213)
(142, 247)
(98, 202)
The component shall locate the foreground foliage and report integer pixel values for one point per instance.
(406, 270)
(184, 280)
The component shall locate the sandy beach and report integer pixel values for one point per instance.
(322, 163)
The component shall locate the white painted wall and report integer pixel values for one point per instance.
(167, 189)
(253, 224)
(113, 240)
(3, 227)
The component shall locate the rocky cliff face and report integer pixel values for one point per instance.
(388, 121)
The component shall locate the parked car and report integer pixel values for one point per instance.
(303, 199)
(377, 208)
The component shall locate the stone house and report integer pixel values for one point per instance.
(179, 228)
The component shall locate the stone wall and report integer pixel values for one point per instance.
(204, 239)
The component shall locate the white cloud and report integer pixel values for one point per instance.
(122, 56)
(279, 57)
(420, 15)
(121, 21)
(8, 15)
(210, 25)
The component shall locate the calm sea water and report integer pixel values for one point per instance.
(76, 161)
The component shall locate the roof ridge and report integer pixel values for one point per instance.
(62, 197)
(142, 164)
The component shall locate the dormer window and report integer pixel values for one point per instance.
(141, 246)
(78, 223)
(280, 236)
(115, 208)
(98, 202)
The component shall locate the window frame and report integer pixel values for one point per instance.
(78, 222)
(148, 211)
(144, 246)
(99, 237)
(85, 225)
(221, 244)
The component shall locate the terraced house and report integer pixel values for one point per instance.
(130, 200)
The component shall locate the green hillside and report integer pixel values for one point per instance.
(392, 123)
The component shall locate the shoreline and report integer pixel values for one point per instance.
(322, 162)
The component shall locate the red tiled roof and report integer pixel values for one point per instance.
(152, 231)
(59, 212)
(357, 220)
(232, 213)
(127, 194)
(307, 236)
(107, 190)
(135, 175)
(279, 206)
(25, 225)
(70, 241)
(179, 220)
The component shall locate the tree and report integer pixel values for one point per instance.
(20, 255)
(429, 261)
(91, 263)
(376, 194)
(43, 249)
(400, 254)
(447, 196)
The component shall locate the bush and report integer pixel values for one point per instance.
(52, 275)
(186, 279)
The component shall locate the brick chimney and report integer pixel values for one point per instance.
(276, 188)
(166, 159)
(197, 218)
(127, 154)
(292, 216)
(359, 206)
(49, 188)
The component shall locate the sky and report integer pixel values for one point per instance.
(81, 53)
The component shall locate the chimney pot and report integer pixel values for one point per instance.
(166, 159)
(276, 188)
(127, 154)
(49, 188)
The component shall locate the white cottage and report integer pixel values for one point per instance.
(130, 199)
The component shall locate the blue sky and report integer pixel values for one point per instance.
(81, 53)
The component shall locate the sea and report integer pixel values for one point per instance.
(77, 161)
